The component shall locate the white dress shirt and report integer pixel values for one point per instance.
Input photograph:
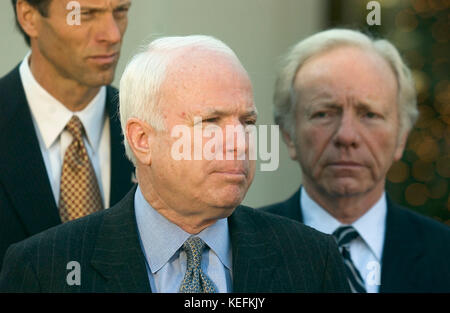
(50, 118)
(365, 251)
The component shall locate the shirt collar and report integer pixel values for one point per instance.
(161, 239)
(370, 226)
(52, 116)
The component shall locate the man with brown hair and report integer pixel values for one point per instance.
(61, 141)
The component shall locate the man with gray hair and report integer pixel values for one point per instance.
(345, 104)
(182, 229)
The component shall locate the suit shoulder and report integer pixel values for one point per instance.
(289, 208)
(425, 224)
(10, 86)
(281, 224)
(274, 208)
(40, 258)
(63, 237)
(12, 73)
(10, 80)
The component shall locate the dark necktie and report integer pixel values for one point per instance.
(195, 280)
(344, 235)
(79, 190)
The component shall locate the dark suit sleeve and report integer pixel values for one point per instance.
(335, 279)
(18, 274)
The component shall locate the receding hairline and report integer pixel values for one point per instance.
(366, 51)
(190, 55)
(371, 54)
(190, 60)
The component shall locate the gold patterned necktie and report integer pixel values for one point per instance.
(79, 190)
(195, 280)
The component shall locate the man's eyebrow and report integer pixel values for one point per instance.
(250, 112)
(370, 106)
(126, 4)
(324, 105)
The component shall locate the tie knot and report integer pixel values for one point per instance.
(194, 247)
(344, 235)
(75, 127)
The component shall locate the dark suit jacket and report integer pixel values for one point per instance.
(416, 249)
(270, 254)
(27, 204)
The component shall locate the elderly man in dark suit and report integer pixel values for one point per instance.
(182, 229)
(62, 155)
(345, 104)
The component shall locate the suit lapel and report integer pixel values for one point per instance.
(117, 254)
(402, 253)
(254, 259)
(292, 207)
(121, 168)
(22, 166)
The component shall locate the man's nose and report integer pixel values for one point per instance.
(236, 140)
(347, 132)
(109, 30)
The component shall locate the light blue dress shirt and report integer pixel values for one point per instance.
(365, 251)
(161, 241)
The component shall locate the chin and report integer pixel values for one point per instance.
(229, 200)
(100, 78)
(345, 189)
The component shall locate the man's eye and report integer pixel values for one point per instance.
(211, 120)
(250, 122)
(371, 115)
(121, 12)
(320, 115)
(87, 14)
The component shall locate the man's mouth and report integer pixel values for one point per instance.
(105, 58)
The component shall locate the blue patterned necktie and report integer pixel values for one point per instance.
(344, 235)
(195, 280)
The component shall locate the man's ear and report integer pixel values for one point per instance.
(140, 136)
(27, 15)
(290, 143)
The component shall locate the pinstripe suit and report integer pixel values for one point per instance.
(270, 254)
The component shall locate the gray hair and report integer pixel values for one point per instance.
(285, 95)
(140, 84)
